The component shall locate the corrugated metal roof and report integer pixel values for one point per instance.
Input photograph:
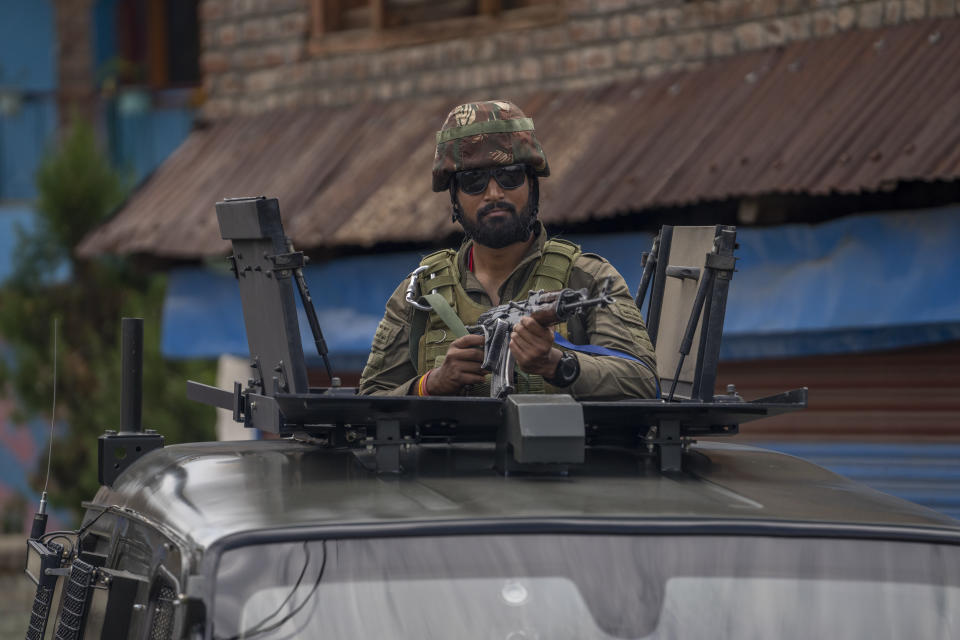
(856, 112)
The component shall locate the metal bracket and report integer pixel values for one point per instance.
(238, 403)
(117, 451)
(684, 273)
(671, 451)
(388, 455)
(257, 380)
(720, 262)
(285, 263)
(263, 413)
(666, 439)
(280, 381)
(232, 259)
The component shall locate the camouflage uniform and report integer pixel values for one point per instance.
(389, 370)
(480, 135)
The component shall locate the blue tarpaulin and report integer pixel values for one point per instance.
(860, 283)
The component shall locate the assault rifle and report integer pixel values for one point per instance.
(546, 307)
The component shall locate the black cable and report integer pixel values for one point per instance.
(276, 625)
(303, 572)
(82, 530)
(57, 533)
(66, 534)
(63, 536)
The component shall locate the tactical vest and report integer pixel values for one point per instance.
(442, 276)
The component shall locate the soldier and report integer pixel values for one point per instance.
(489, 159)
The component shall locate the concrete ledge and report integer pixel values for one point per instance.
(12, 553)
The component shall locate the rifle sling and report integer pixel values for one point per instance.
(443, 309)
(445, 312)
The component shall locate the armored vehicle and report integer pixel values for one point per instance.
(504, 517)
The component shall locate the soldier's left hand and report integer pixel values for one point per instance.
(532, 346)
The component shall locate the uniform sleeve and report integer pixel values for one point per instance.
(619, 326)
(389, 371)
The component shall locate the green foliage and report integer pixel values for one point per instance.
(78, 190)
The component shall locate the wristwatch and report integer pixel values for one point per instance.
(568, 369)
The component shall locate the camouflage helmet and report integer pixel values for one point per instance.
(477, 135)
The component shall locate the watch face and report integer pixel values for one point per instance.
(567, 371)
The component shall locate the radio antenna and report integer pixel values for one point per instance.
(40, 517)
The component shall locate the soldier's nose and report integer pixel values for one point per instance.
(493, 192)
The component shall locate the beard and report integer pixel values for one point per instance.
(498, 233)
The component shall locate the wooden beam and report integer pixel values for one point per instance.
(378, 14)
(158, 61)
(325, 16)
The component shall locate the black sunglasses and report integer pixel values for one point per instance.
(475, 181)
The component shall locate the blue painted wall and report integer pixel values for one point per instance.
(24, 138)
(27, 44)
(141, 142)
(27, 68)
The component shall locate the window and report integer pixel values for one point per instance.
(149, 42)
(588, 586)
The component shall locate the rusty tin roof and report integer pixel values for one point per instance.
(860, 111)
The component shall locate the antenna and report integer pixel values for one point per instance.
(40, 517)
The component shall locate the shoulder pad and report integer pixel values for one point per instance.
(437, 256)
(438, 261)
(559, 245)
(593, 256)
(592, 264)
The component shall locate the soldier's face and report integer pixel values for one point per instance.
(497, 217)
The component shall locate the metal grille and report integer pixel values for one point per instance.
(39, 613)
(73, 607)
(162, 626)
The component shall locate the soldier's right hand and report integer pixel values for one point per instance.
(460, 367)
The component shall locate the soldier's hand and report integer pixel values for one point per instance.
(532, 346)
(460, 367)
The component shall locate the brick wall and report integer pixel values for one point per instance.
(258, 54)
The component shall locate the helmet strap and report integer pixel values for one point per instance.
(534, 199)
(457, 214)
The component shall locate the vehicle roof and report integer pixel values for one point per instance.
(208, 491)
